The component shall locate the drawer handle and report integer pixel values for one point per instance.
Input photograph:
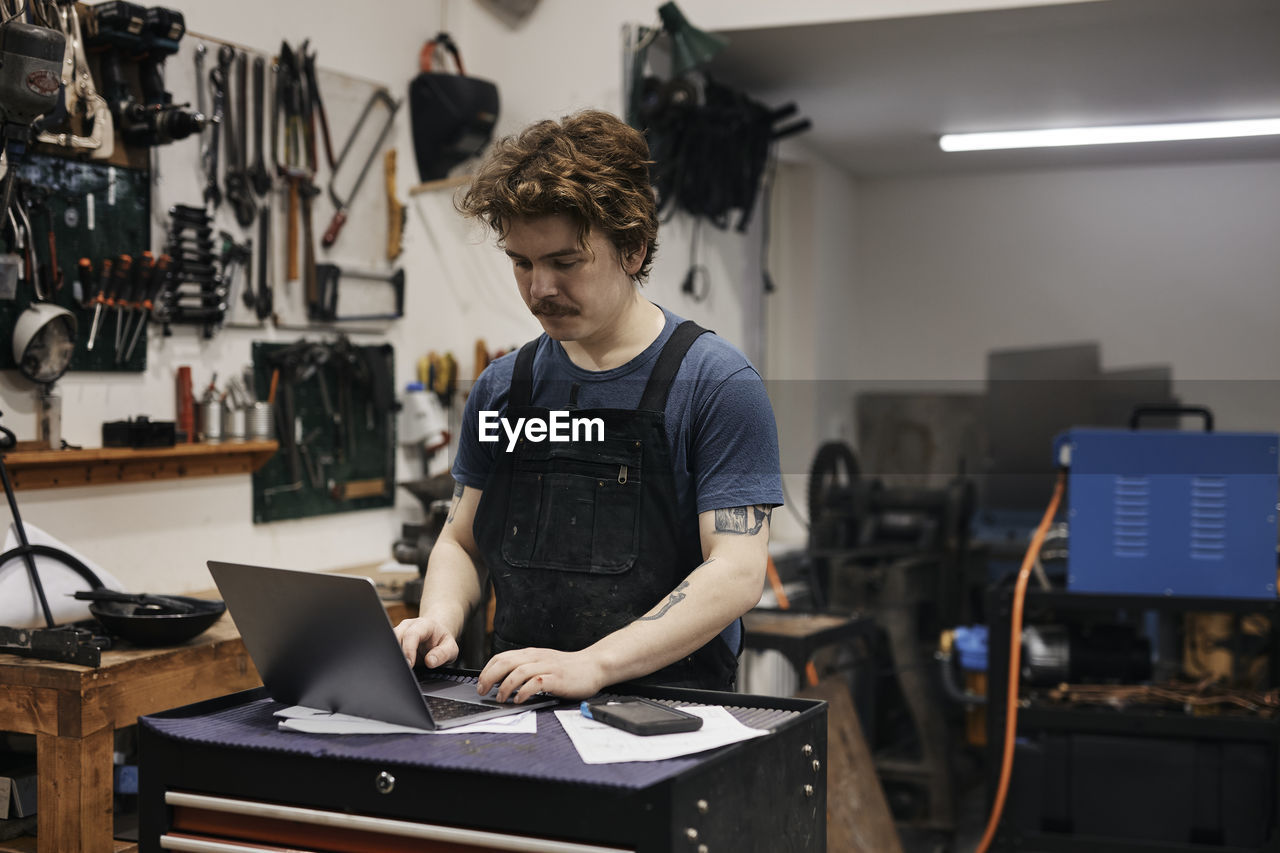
(385, 783)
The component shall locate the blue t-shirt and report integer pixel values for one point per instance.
(719, 424)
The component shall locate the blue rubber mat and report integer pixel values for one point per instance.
(548, 755)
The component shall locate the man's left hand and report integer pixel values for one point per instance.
(524, 673)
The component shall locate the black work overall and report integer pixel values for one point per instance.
(581, 538)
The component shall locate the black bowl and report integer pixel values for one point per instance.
(149, 626)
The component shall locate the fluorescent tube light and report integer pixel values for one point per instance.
(1108, 135)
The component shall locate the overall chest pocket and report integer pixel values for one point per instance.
(574, 508)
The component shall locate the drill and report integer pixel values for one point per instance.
(127, 32)
(30, 84)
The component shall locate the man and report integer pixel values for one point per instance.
(627, 549)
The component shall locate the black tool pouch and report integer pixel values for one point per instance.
(452, 114)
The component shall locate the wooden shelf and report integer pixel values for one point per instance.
(49, 469)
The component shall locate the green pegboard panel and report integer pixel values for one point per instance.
(337, 445)
(96, 211)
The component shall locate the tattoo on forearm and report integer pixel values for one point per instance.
(672, 600)
(677, 596)
(745, 520)
(458, 489)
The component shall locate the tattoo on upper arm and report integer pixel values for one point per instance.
(458, 489)
(745, 520)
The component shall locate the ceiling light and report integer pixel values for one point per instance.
(1108, 135)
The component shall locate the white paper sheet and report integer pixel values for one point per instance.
(315, 721)
(598, 743)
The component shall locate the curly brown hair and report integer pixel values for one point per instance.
(590, 166)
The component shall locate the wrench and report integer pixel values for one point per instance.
(239, 194)
(218, 84)
(258, 174)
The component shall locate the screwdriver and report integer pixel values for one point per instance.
(84, 275)
(119, 278)
(132, 301)
(159, 273)
(127, 274)
(99, 299)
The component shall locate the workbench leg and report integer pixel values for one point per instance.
(74, 803)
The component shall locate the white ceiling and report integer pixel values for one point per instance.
(880, 92)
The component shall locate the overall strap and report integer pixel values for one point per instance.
(673, 352)
(522, 377)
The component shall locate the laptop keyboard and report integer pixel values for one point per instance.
(449, 709)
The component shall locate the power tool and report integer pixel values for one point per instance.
(30, 77)
(121, 32)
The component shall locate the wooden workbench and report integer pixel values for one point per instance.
(74, 711)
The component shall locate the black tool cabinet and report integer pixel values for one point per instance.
(766, 794)
(1133, 779)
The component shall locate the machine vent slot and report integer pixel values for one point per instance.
(1130, 521)
(1208, 518)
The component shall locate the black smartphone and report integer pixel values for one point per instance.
(642, 717)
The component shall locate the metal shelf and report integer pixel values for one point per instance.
(49, 469)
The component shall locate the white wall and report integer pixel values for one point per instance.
(815, 266)
(1167, 264)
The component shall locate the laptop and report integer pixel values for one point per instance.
(325, 641)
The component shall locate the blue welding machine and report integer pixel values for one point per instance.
(1166, 512)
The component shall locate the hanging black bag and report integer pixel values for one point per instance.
(453, 115)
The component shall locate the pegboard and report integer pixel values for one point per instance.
(96, 211)
(361, 244)
(334, 407)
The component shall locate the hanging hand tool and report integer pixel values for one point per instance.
(37, 198)
(80, 291)
(81, 104)
(12, 266)
(315, 109)
(126, 273)
(383, 97)
(99, 299)
(201, 52)
(239, 195)
(32, 268)
(264, 303)
(218, 85)
(48, 276)
(159, 275)
(328, 277)
(133, 302)
(288, 106)
(306, 193)
(144, 37)
(194, 275)
(258, 175)
(31, 57)
(395, 210)
(234, 259)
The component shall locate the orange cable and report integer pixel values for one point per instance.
(1015, 660)
(776, 583)
(784, 603)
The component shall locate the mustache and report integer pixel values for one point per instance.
(552, 309)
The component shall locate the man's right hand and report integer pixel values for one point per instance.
(425, 639)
